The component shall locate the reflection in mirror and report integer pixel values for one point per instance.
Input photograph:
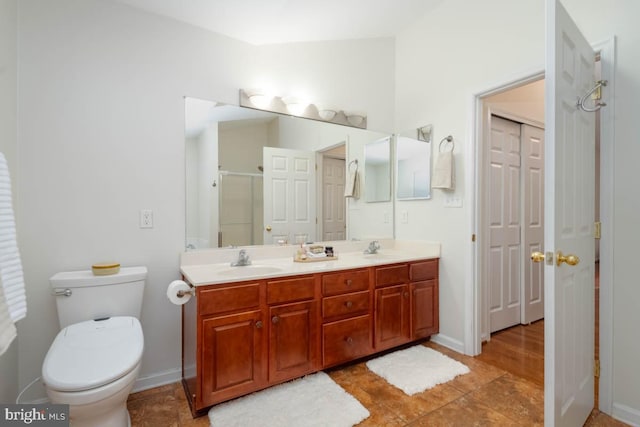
(377, 170)
(245, 183)
(413, 169)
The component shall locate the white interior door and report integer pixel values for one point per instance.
(289, 195)
(505, 252)
(334, 224)
(569, 218)
(533, 222)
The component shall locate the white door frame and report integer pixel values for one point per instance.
(473, 303)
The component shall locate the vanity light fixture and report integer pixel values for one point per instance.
(326, 114)
(294, 106)
(261, 100)
(355, 119)
(424, 133)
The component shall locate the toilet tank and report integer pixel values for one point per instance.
(80, 295)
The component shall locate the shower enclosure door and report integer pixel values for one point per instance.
(241, 209)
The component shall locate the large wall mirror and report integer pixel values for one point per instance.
(251, 179)
(377, 170)
(413, 170)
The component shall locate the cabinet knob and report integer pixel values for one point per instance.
(406, 294)
(275, 319)
(348, 304)
(348, 282)
(259, 324)
(349, 340)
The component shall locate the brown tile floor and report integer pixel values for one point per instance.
(487, 396)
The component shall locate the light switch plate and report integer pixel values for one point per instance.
(453, 202)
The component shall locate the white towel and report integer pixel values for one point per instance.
(443, 173)
(352, 186)
(11, 274)
(7, 328)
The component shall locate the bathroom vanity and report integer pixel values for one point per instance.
(255, 326)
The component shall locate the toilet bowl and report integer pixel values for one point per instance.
(93, 362)
(92, 366)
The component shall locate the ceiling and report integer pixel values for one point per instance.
(285, 21)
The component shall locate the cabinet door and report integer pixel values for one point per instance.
(232, 359)
(424, 309)
(346, 340)
(392, 316)
(293, 340)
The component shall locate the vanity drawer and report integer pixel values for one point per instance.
(392, 275)
(217, 299)
(288, 290)
(346, 305)
(423, 270)
(346, 281)
(346, 340)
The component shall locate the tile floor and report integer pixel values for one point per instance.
(487, 396)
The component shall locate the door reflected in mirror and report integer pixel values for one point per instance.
(377, 170)
(413, 169)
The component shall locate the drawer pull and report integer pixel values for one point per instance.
(259, 324)
(348, 304)
(349, 340)
(348, 282)
(275, 319)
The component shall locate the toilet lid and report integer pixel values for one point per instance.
(91, 354)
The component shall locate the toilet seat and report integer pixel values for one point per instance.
(93, 353)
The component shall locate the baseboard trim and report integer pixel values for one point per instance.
(449, 342)
(158, 379)
(626, 414)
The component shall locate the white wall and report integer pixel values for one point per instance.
(8, 140)
(101, 136)
(458, 50)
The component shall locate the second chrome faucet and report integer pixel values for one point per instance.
(243, 259)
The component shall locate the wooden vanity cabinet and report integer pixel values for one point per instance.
(346, 315)
(425, 313)
(392, 307)
(245, 336)
(293, 328)
(406, 303)
(231, 343)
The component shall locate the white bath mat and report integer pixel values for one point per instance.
(416, 369)
(315, 400)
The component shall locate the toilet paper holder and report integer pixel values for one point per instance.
(191, 292)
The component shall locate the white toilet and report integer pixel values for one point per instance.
(94, 360)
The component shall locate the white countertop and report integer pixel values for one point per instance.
(213, 266)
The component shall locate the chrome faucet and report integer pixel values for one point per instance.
(373, 247)
(243, 259)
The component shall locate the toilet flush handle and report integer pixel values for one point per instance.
(62, 292)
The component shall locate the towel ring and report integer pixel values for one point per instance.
(446, 139)
(353, 162)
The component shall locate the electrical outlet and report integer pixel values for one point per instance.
(146, 218)
(404, 217)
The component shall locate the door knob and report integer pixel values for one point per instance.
(537, 256)
(569, 259)
(268, 228)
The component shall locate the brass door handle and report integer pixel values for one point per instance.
(537, 256)
(569, 259)
(268, 228)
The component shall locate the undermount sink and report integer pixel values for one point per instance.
(379, 255)
(249, 270)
